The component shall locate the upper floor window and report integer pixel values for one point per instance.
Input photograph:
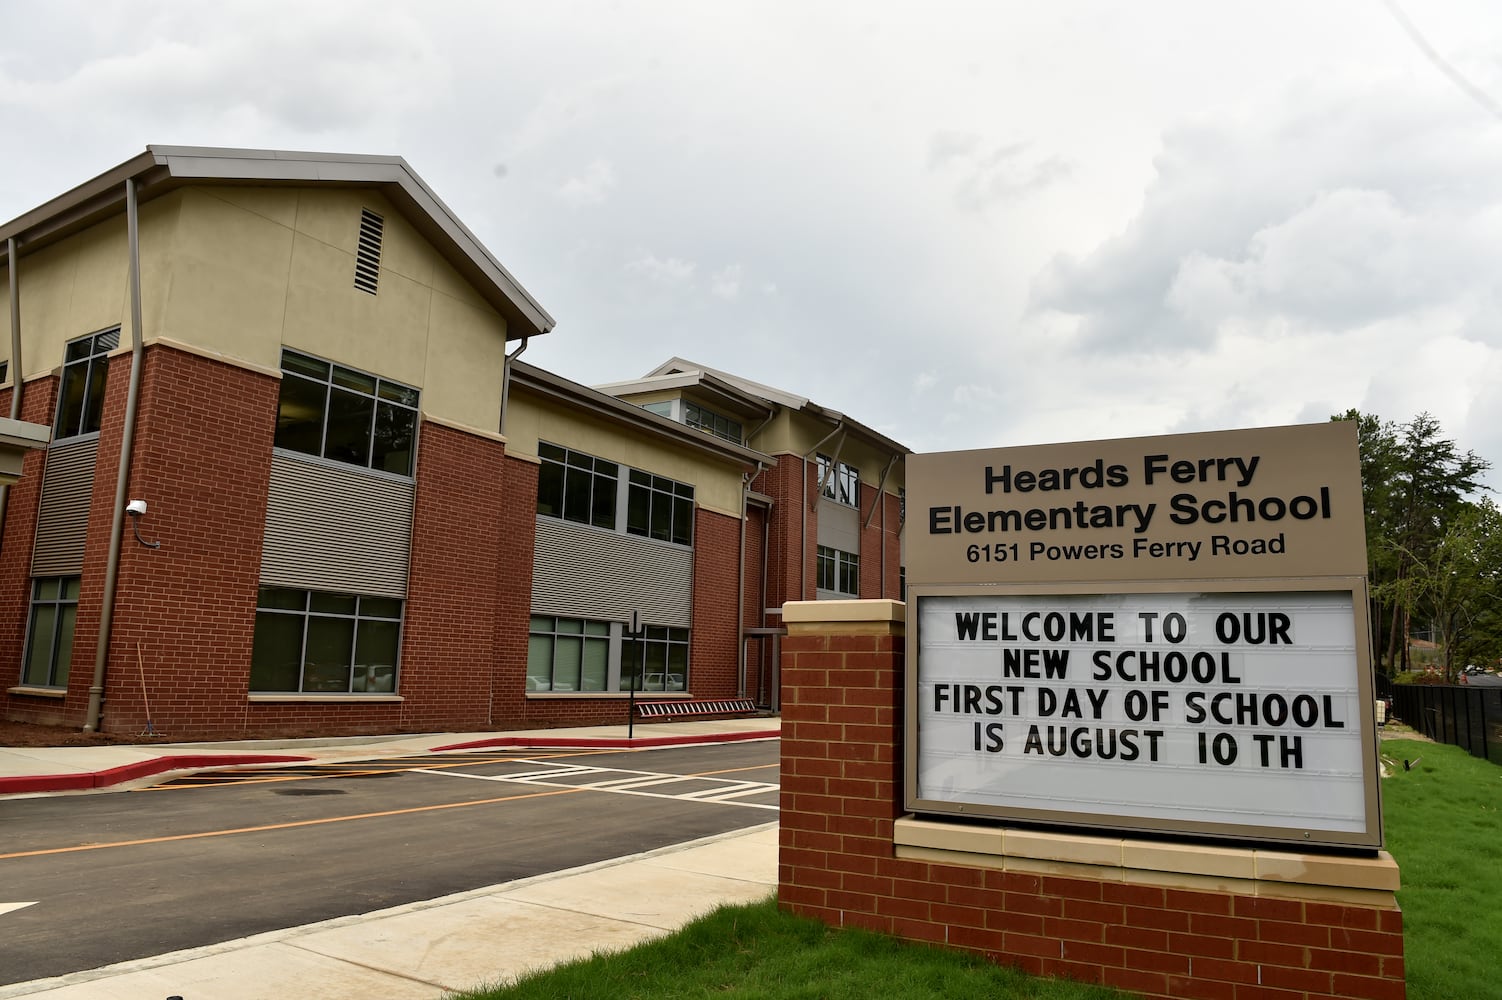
(660, 508)
(841, 482)
(346, 415)
(577, 487)
(80, 397)
(718, 425)
(574, 486)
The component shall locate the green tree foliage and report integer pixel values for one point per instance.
(1417, 487)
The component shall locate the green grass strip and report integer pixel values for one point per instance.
(1443, 821)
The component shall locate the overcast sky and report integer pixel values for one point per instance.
(965, 224)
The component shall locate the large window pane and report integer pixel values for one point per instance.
(62, 652)
(299, 415)
(330, 650)
(39, 653)
(375, 656)
(276, 657)
(348, 436)
(539, 663)
(395, 429)
(70, 400)
(596, 666)
(567, 654)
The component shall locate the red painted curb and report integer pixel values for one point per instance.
(10, 785)
(606, 742)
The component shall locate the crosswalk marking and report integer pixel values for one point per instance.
(722, 791)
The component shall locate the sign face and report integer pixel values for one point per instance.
(1273, 502)
(1237, 713)
(1160, 633)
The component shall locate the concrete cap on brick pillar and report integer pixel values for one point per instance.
(883, 612)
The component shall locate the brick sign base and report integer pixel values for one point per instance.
(1159, 918)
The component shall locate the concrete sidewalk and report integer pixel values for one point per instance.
(427, 949)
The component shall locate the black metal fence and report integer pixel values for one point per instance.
(1469, 717)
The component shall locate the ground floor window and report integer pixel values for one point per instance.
(49, 633)
(839, 571)
(580, 654)
(568, 654)
(313, 642)
(659, 658)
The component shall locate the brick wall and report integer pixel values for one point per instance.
(184, 613)
(878, 578)
(38, 401)
(842, 798)
(450, 618)
(714, 661)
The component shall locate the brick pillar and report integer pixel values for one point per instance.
(1161, 918)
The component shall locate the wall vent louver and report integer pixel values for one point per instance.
(368, 256)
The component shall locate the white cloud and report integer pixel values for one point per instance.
(726, 282)
(590, 187)
(664, 271)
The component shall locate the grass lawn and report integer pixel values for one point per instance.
(1443, 825)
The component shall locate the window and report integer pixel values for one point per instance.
(577, 487)
(660, 508)
(657, 661)
(80, 397)
(568, 654)
(840, 482)
(49, 634)
(662, 409)
(312, 642)
(574, 486)
(4, 371)
(720, 426)
(839, 571)
(346, 415)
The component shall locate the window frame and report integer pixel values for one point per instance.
(704, 419)
(839, 481)
(65, 608)
(308, 615)
(85, 412)
(633, 494)
(383, 393)
(836, 568)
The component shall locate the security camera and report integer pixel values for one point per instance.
(136, 508)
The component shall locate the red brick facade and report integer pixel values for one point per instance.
(841, 798)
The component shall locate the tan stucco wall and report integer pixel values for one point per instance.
(241, 271)
(792, 433)
(717, 485)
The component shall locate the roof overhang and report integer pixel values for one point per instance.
(612, 410)
(162, 169)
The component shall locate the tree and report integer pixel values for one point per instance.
(1460, 586)
(1415, 483)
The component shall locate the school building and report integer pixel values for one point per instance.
(298, 480)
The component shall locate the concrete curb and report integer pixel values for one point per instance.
(605, 742)
(83, 780)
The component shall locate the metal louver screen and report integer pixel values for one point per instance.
(839, 526)
(63, 515)
(588, 573)
(334, 529)
(368, 253)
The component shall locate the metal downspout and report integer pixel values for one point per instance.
(122, 476)
(15, 353)
(506, 379)
(803, 511)
(740, 584)
(501, 429)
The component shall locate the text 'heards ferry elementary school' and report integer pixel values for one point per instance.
(1183, 508)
